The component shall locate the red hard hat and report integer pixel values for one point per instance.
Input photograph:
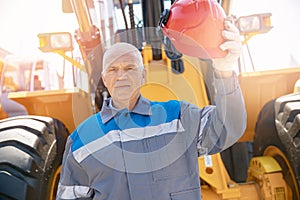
(194, 27)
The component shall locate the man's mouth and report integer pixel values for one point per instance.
(122, 86)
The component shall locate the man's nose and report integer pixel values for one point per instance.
(121, 73)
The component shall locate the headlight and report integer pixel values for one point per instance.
(249, 24)
(258, 23)
(50, 42)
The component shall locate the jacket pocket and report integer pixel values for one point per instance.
(168, 152)
(191, 194)
(170, 156)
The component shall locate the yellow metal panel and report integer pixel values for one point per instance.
(263, 164)
(213, 172)
(71, 106)
(162, 84)
(3, 114)
(267, 173)
(260, 87)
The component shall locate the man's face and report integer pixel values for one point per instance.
(123, 77)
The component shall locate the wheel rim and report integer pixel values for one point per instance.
(282, 160)
(54, 183)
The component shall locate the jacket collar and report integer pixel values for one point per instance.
(107, 112)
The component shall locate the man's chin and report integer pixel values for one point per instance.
(121, 96)
(123, 93)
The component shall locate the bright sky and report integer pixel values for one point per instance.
(22, 20)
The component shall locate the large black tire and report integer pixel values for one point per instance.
(277, 134)
(31, 150)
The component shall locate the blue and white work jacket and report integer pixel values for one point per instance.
(150, 152)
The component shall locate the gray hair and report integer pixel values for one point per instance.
(118, 50)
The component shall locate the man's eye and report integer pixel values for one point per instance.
(131, 67)
(112, 69)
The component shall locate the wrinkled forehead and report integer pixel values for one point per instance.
(127, 59)
(122, 53)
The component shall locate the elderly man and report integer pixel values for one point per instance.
(136, 149)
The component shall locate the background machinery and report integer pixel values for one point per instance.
(36, 120)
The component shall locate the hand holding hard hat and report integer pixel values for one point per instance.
(232, 44)
(199, 28)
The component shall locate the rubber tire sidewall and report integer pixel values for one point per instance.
(266, 135)
(61, 134)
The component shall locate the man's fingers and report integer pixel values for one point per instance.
(228, 35)
(232, 46)
(230, 27)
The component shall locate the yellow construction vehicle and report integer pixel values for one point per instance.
(36, 120)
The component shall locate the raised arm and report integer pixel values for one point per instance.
(221, 125)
